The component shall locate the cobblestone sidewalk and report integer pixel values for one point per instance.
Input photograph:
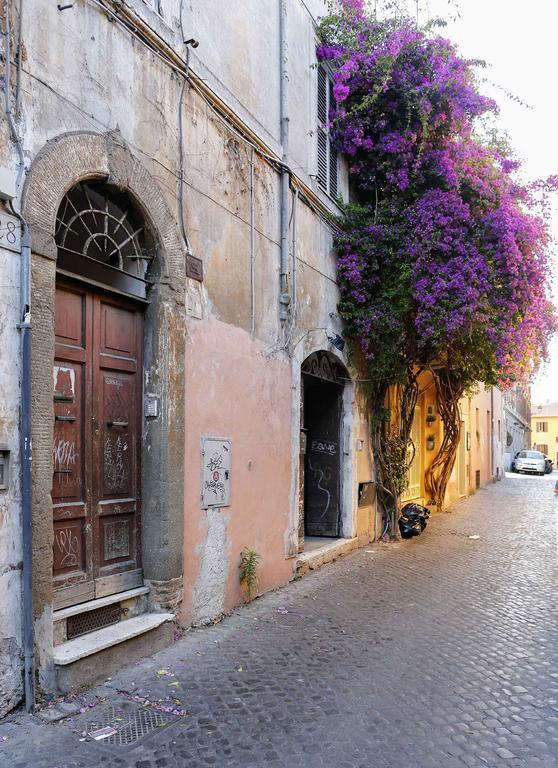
(441, 652)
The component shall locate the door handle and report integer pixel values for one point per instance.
(64, 418)
(117, 423)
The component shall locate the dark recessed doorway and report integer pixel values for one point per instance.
(322, 391)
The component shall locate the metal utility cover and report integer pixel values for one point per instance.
(216, 472)
(123, 723)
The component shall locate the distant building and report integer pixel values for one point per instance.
(544, 428)
(517, 414)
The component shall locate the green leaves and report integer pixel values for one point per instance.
(249, 560)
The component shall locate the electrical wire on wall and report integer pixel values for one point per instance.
(181, 67)
(186, 44)
(252, 250)
(7, 99)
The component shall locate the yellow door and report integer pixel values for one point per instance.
(413, 490)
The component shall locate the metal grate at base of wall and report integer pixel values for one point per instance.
(477, 478)
(89, 621)
(124, 723)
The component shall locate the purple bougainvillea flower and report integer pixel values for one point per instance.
(448, 251)
(340, 91)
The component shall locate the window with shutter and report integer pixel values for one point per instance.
(327, 154)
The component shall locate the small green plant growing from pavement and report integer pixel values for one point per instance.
(249, 560)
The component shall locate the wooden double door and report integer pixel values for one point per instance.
(96, 488)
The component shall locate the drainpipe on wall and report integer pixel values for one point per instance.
(293, 248)
(25, 408)
(284, 295)
(25, 457)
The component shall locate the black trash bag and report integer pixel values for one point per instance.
(409, 527)
(416, 512)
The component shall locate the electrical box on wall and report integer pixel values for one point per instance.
(4, 468)
(216, 472)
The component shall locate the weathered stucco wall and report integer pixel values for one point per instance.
(10, 514)
(235, 391)
(481, 435)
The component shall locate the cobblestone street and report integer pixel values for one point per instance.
(441, 652)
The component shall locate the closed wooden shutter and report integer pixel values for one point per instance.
(327, 155)
(323, 140)
(332, 151)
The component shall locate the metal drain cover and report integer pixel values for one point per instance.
(122, 723)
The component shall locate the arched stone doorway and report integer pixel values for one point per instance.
(103, 282)
(320, 471)
(104, 162)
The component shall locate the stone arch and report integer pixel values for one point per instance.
(60, 164)
(71, 157)
(312, 342)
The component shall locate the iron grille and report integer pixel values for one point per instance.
(124, 723)
(100, 223)
(477, 478)
(82, 623)
(102, 237)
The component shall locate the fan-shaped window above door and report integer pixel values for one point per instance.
(102, 237)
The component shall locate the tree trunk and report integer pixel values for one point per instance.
(385, 489)
(391, 431)
(448, 394)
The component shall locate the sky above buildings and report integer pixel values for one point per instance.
(518, 42)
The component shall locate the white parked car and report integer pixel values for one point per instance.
(530, 461)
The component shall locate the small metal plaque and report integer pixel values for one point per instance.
(194, 267)
(216, 472)
(10, 232)
(151, 406)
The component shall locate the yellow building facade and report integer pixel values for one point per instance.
(544, 430)
(479, 459)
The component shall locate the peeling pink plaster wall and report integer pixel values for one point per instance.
(234, 391)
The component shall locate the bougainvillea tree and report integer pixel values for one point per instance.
(442, 260)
